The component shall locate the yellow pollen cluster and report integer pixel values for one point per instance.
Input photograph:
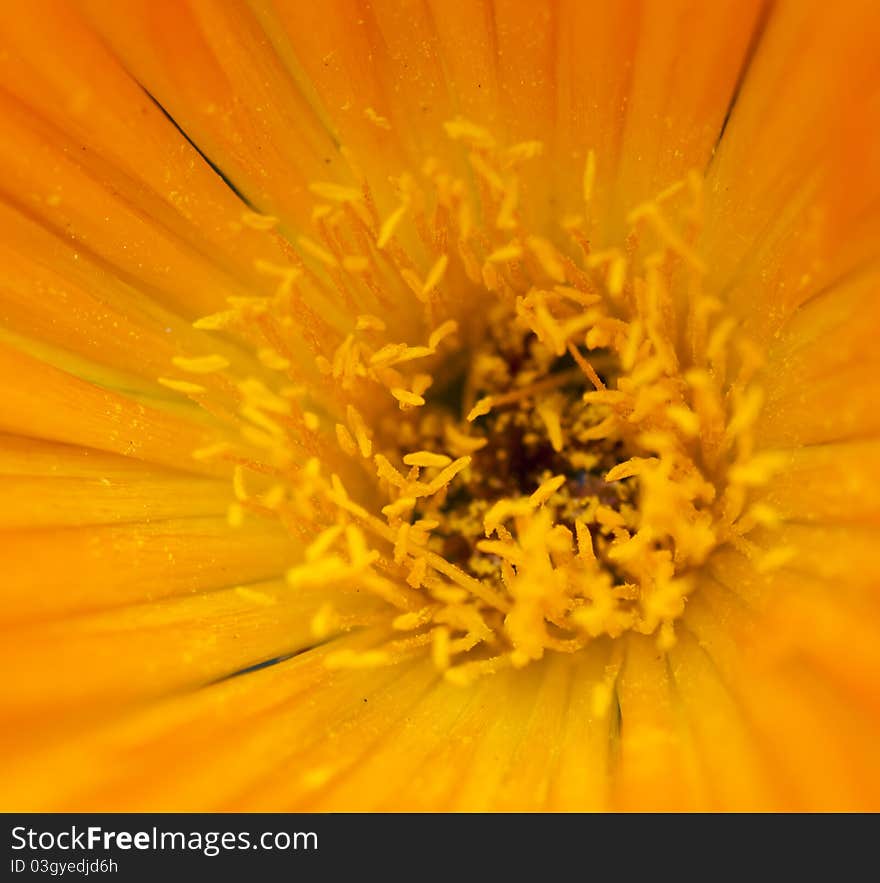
(516, 442)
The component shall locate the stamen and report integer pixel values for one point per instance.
(536, 470)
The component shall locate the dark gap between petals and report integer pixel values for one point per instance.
(225, 178)
(748, 59)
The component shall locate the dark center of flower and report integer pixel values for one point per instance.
(537, 431)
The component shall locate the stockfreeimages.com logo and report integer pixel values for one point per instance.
(210, 843)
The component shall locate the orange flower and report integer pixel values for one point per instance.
(439, 405)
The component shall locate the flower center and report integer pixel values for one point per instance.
(540, 443)
(535, 440)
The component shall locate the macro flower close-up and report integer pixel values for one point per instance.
(440, 405)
